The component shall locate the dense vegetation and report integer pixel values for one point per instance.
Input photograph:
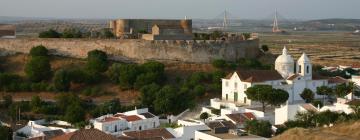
(75, 33)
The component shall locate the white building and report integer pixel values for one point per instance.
(283, 77)
(138, 119)
(37, 129)
(289, 111)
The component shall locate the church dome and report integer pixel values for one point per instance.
(284, 58)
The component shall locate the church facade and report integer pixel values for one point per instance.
(288, 75)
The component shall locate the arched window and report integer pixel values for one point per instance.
(307, 69)
(299, 69)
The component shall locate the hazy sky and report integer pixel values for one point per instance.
(250, 9)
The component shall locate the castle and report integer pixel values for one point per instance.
(152, 29)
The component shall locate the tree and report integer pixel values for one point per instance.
(219, 63)
(258, 127)
(97, 62)
(341, 90)
(166, 99)
(7, 100)
(278, 97)
(71, 33)
(36, 103)
(145, 79)
(5, 133)
(74, 114)
(265, 48)
(62, 80)
(127, 75)
(65, 100)
(199, 90)
(324, 91)
(39, 50)
(307, 95)
(266, 95)
(148, 95)
(204, 116)
(49, 34)
(38, 68)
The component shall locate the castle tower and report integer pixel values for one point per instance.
(284, 64)
(304, 67)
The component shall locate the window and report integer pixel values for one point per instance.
(307, 69)
(245, 100)
(235, 85)
(115, 128)
(106, 128)
(245, 86)
(226, 97)
(299, 69)
(227, 83)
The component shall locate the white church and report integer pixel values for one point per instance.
(291, 77)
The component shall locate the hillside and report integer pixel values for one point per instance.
(344, 131)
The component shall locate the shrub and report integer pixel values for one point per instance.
(199, 90)
(265, 48)
(50, 34)
(62, 80)
(219, 63)
(96, 62)
(39, 50)
(38, 69)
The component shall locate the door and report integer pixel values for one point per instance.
(235, 96)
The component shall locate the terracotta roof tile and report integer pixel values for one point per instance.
(85, 134)
(259, 75)
(337, 80)
(159, 133)
(109, 119)
(249, 115)
(132, 118)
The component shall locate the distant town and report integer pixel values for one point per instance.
(177, 79)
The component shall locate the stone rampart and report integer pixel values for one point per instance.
(140, 50)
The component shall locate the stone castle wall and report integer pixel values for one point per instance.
(140, 50)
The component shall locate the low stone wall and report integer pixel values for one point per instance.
(140, 50)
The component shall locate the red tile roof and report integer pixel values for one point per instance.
(85, 134)
(337, 80)
(259, 75)
(157, 133)
(109, 119)
(132, 118)
(249, 115)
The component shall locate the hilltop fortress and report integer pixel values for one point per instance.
(142, 40)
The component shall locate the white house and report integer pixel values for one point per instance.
(283, 77)
(37, 129)
(138, 119)
(289, 111)
(342, 105)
